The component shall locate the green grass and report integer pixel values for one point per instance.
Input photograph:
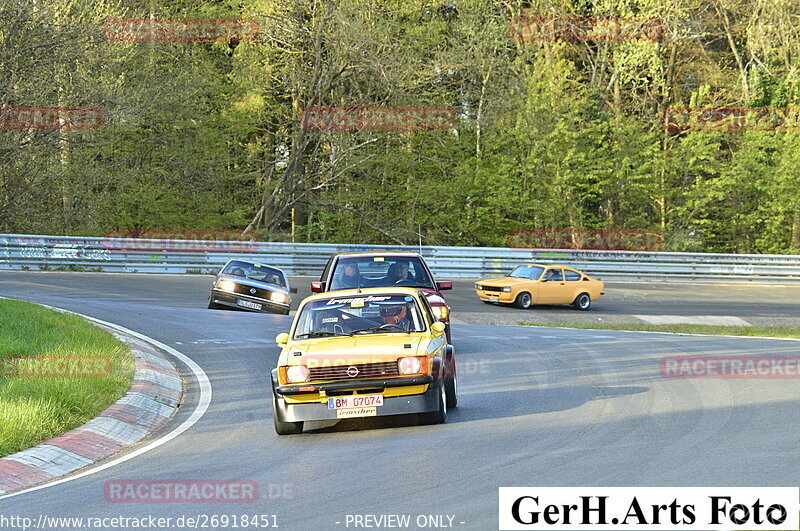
(769, 331)
(36, 409)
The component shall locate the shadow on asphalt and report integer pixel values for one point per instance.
(493, 405)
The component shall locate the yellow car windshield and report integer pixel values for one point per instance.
(359, 314)
(526, 271)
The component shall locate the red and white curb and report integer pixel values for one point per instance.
(154, 396)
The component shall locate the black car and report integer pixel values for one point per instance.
(251, 286)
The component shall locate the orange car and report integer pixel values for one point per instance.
(530, 284)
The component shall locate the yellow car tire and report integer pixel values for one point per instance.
(523, 300)
(582, 302)
(281, 427)
(440, 416)
(451, 385)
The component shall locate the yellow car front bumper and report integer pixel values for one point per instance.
(495, 296)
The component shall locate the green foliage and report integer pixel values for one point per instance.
(547, 134)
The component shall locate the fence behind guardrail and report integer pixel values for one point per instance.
(35, 252)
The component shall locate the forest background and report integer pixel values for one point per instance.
(547, 133)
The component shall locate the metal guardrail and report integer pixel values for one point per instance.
(35, 252)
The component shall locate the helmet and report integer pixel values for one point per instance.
(394, 314)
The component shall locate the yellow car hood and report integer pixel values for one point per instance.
(502, 282)
(366, 348)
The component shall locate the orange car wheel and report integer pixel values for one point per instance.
(583, 302)
(523, 300)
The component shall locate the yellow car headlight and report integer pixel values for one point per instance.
(226, 285)
(277, 296)
(440, 312)
(296, 373)
(409, 365)
(506, 289)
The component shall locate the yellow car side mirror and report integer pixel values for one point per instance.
(282, 339)
(437, 327)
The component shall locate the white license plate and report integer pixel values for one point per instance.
(248, 304)
(491, 299)
(356, 412)
(355, 401)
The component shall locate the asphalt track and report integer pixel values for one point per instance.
(538, 407)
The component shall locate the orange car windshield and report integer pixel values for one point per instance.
(525, 271)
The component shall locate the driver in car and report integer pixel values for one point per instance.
(550, 274)
(396, 314)
(351, 278)
(399, 272)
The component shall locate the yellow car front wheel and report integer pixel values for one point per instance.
(523, 300)
(281, 427)
(440, 416)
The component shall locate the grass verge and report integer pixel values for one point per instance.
(57, 371)
(768, 331)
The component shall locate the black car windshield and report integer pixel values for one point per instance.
(379, 272)
(359, 314)
(252, 271)
(526, 271)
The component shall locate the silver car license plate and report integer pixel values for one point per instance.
(248, 304)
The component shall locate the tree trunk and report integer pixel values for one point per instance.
(742, 68)
(479, 113)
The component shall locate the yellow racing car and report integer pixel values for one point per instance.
(363, 353)
(530, 284)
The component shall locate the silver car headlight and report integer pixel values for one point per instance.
(277, 296)
(226, 285)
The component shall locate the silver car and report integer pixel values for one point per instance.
(251, 286)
